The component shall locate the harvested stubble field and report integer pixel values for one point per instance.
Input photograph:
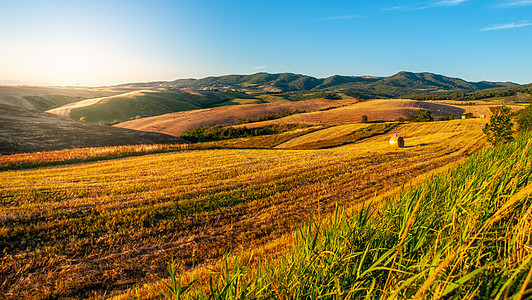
(329, 133)
(375, 110)
(175, 123)
(99, 228)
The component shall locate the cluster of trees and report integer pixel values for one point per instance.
(270, 116)
(217, 132)
(420, 116)
(464, 95)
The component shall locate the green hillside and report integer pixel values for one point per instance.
(304, 87)
(405, 85)
(46, 102)
(151, 103)
(501, 92)
(45, 98)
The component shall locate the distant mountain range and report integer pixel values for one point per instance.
(400, 84)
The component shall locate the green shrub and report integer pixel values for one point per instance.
(499, 129)
(524, 119)
(469, 115)
(420, 116)
(446, 118)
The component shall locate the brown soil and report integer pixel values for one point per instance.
(26, 130)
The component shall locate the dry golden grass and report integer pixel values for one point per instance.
(175, 123)
(77, 155)
(260, 142)
(328, 133)
(89, 229)
(380, 109)
(479, 107)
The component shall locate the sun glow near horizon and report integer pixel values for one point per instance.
(77, 59)
(89, 44)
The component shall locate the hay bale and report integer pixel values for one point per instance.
(397, 141)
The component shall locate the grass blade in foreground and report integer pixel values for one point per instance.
(464, 234)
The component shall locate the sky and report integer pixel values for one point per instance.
(96, 43)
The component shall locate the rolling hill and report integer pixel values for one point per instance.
(25, 130)
(375, 110)
(91, 228)
(512, 94)
(318, 112)
(398, 85)
(147, 103)
(175, 123)
(44, 98)
(157, 98)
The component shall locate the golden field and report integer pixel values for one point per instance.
(98, 228)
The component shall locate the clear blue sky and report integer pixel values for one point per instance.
(109, 42)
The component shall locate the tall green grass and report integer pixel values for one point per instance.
(466, 234)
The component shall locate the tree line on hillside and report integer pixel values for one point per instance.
(215, 133)
(464, 95)
(271, 116)
(422, 115)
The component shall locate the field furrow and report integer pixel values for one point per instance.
(102, 227)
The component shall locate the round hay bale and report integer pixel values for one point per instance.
(397, 141)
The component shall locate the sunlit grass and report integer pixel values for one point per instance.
(82, 229)
(67, 156)
(465, 234)
(328, 133)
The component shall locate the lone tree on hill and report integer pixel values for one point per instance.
(499, 129)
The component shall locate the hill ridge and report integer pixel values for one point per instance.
(293, 82)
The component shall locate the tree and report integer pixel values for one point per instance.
(332, 96)
(524, 119)
(499, 129)
(423, 116)
(469, 115)
(364, 119)
(446, 118)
